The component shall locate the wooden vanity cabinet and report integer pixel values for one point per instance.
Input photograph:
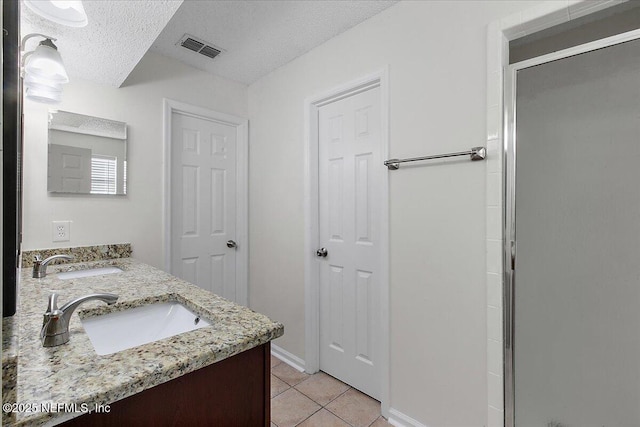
(232, 392)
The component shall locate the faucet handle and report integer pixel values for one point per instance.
(52, 306)
(55, 329)
(37, 258)
(53, 312)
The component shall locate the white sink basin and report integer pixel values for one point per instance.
(114, 332)
(89, 272)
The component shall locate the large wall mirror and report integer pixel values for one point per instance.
(87, 155)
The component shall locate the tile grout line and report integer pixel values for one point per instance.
(288, 385)
(311, 415)
(281, 392)
(379, 416)
(330, 411)
(301, 392)
(339, 417)
(351, 388)
(321, 406)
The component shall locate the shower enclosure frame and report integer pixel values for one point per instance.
(509, 252)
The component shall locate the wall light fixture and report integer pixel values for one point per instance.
(43, 71)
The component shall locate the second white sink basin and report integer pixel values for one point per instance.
(89, 272)
(114, 332)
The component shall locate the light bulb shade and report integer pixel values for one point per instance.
(65, 12)
(54, 92)
(42, 95)
(46, 63)
(33, 81)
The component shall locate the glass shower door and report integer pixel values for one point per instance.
(577, 220)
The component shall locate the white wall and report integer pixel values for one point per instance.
(137, 217)
(436, 53)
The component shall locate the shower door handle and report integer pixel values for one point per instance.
(512, 252)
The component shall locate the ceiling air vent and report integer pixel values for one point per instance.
(199, 46)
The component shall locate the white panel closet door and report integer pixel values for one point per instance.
(203, 203)
(69, 169)
(349, 169)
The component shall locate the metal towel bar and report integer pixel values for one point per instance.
(476, 153)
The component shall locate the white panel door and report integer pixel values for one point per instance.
(69, 169)
(203, 203)
(350, 167)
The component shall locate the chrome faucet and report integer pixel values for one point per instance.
(55, 325)
(40, 266)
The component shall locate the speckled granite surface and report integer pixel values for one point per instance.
(81, 253)
(74, 373)
(9, 362)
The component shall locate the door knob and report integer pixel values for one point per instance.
(322, 252)
(231, 244)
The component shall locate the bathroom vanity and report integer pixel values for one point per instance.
(214, 375)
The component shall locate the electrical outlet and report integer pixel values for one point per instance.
(61, 231)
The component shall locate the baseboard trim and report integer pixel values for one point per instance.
(288, 358)
(398, 419)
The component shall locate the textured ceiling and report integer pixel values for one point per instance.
(259, 36)
(256, 36)
(117, 37)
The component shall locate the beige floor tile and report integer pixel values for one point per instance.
(277, 386)
(291, 407)
(273, 425)
(380, 422)
(356, 408)
(323, 418)
(288, 374)
(322, 388)
(275, 361)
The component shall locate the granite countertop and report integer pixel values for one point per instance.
(74, 374)
(9, 362)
